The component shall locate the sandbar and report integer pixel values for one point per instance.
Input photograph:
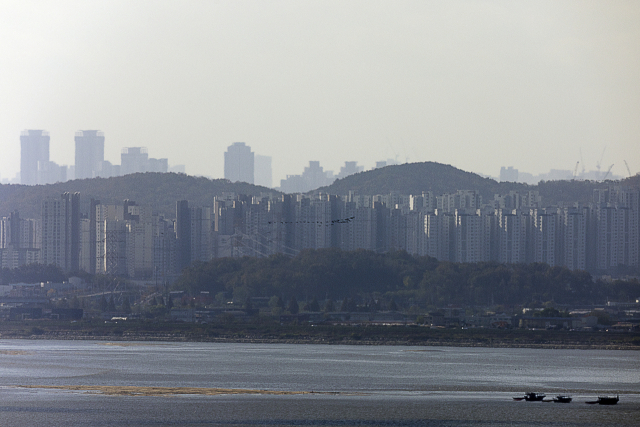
(164, 391)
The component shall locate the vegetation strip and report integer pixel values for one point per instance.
(165, 391)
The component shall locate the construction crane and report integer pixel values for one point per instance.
(600, 162)
(607, 174)
(575, 171)
(628, 170)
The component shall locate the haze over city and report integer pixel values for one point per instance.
(478, 85)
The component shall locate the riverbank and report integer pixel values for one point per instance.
(237, 332)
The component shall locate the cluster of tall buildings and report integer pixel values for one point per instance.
(457, 227)
(242, 165)
(36, 167)
(133, 241)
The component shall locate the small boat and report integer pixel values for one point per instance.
(531, 397)
(534, 397)
(562, 398)
(605, 400)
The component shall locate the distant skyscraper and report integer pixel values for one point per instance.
(238, 163)
(134, 160)
(34, 148)
(508, 174)
(262, 172)
(89, 153)
(349, 168)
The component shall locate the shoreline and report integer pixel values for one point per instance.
(178, 338)
(308, 334)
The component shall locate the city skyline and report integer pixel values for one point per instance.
(240, 165)
(533, 85)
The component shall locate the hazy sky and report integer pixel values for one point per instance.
(474, 84)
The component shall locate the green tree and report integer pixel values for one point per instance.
(293, 307)
(312, 306)
(329, 306)
(104, 305)
(277, 305)
(112, 304)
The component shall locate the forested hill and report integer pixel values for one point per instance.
(425, 281)
(414, 178)
(162, 190)
(159, 190)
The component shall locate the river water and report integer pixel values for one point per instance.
(354, 385)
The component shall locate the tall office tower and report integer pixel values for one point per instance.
(239, 163)
(508, 174)
(61, 232)
(89, 153)
(34, 148)
(349, 168)
(134, 160)
(262, 171)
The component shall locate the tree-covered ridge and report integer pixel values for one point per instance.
(162, 190)
(32, 273)
(424, 281)
(414, 178)
(159, 190)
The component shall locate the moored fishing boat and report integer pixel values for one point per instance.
(531, 397)
(605, 400)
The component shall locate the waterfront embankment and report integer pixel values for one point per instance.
(237, 332)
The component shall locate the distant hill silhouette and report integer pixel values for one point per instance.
(414, 178)
(159, 190)
(162, 190)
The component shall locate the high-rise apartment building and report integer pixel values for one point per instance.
(61, 232)
(89, 153)
(18, 241)
(183, 234)
(34, 148)
(239, 163)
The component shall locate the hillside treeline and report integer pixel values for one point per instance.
(364, 276)
(158, 190)
(162, 190)
(32, 273)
